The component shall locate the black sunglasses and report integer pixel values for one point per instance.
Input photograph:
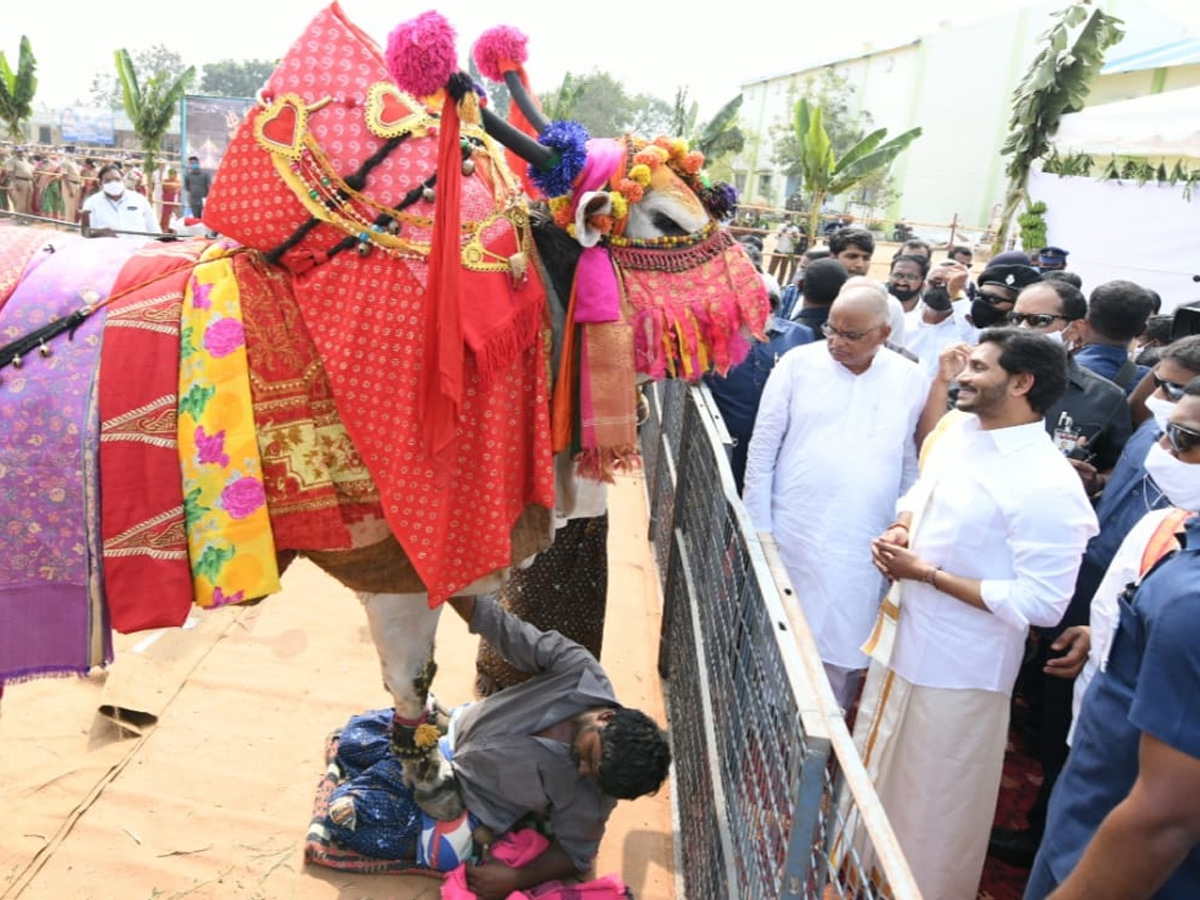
(1035, 320)
(1182, 438)
(1173, 389)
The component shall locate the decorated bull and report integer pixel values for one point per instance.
(364, 370)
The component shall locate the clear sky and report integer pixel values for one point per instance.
(649, 47)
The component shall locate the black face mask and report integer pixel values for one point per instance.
(937, 298)
(985, 315)
(903, 294)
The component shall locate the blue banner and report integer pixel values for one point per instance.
(86, 125)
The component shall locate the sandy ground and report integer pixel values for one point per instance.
(212, 799)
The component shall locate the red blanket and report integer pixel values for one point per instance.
(148, 581)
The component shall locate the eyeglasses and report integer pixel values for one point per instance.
(852, 337)
(1035, 320)
(1173, 389)
(911, 279)
(1182, 438)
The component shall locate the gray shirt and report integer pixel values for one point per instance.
(504, 769)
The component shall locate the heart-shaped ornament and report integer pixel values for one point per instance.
(281, 127)
(391, 112)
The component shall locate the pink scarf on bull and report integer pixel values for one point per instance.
(598, 361)
(51, 614)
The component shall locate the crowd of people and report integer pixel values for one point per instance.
(58, 182)
(983, 488)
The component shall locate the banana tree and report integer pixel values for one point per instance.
(824, 174)
(1057, 82)
(152, 105)
(715, 138)
(17, 89)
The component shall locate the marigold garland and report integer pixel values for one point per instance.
(569, 139)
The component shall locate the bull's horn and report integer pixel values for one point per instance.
(537, 155)
(520, 96)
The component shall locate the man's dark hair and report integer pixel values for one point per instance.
(634, 755)
(1158, 328)
(813, 253)
(844, 237)
(958, 250)
(104, 170)
(1118, 310)
(914, 242)
(1185, 352)
(1155, 301)
(1023, 350)
(1063, 275)
(1074, 304)
(823, 280)
(919, 261)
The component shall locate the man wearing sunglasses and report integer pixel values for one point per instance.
(1091, 421)
(832, 449)
(1124, 818)
(1129, 493)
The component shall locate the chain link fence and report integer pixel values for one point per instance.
(771, 798)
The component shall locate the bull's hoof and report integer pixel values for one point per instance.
(439, 799)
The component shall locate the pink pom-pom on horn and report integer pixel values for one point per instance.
(502, 44)
(420, 54)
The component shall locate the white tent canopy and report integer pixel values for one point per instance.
(1146, 233)
(1166, 124)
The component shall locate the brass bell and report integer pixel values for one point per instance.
(393, 226)
(468, 167)
(364, 248)
(428, 194)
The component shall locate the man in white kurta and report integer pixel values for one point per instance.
(987, 543)
(832, 450)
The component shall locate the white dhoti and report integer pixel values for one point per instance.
(936, 756)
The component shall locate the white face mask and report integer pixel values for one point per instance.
(1180, 481)
(1161, 410)
(114, 188)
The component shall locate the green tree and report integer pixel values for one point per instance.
(600, 103)
(17, 89)
(833, 93)
(560, 103)
(151, 104)
(1057, 82)
(230, 78)
(828, 173)
(719, 136)
(105, 89)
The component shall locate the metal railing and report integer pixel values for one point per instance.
(771, 798)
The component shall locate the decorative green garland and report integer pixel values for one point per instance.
(1139, 171)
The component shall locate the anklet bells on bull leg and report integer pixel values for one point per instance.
(403, 628)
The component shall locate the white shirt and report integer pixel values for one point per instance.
(926, 340)
(830, 454)
(1008, 509)
(896, 319)
(1126, 566)
(131, 212)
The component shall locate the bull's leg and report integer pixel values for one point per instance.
(403, 629)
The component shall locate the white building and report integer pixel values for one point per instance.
(957, 85)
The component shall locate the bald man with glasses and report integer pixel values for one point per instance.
(832, 450)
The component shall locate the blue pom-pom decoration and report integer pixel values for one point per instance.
(569, 139)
